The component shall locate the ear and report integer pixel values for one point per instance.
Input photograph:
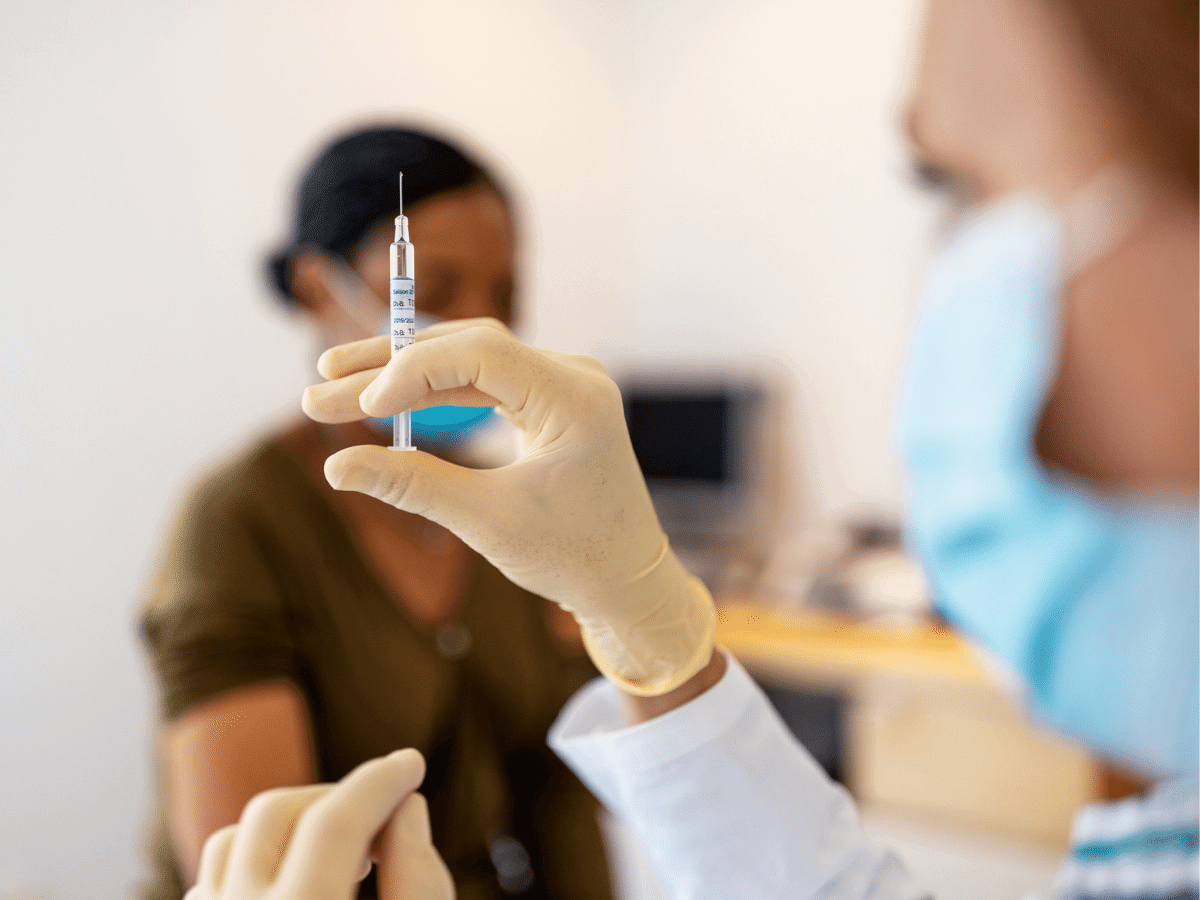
(310, 279)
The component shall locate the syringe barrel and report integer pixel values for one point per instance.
(403, 326)
(404, 296)
(403, 301)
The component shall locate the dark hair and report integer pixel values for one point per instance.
(1147, 51)
(352, 185)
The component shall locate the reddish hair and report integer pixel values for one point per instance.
(1147, 50)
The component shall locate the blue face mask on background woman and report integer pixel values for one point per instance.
(1092, 600)
(439, 426)
(432, 428)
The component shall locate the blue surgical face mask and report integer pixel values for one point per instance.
(1093, 601)
(439, 427)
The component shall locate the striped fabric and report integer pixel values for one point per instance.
(1144, 847)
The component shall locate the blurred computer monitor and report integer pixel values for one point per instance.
(705, 446)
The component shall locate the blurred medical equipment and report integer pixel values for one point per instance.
(860, 568)
(710, 452)
(404, 307)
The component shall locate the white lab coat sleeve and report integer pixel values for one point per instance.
(723, 800)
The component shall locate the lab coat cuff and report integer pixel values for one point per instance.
(592, 738)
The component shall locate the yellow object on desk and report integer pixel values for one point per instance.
(928, 731)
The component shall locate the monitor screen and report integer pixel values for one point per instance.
(704, 442)
(681, 437)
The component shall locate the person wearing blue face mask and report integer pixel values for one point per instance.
(296, 631)
(1049, 424)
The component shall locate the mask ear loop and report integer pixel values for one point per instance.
(361, 303)
(1099, 216)
(364, 307)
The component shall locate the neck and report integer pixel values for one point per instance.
(1123, 412)
(315, 442)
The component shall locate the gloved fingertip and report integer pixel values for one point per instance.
(308, 402)
(368, 402)
(335, 472)
(412, 823)
(412, 758)
(364, 868)
(323, 365)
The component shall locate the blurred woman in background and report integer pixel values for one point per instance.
(297, 631)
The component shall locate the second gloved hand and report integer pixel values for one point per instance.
(318, 841)
(570, 520)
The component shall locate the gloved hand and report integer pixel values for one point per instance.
(570, 520)
(317, 842)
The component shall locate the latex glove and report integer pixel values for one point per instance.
(317, 842)
(570, 520)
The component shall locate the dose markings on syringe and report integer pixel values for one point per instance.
(404, 323)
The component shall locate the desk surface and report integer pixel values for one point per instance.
(808, 647)
(928, 729)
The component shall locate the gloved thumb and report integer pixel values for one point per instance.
(409, 865)
(413, 481)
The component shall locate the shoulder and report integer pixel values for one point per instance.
(221, 609)
(234, 520)
(247, 485)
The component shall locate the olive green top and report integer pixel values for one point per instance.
(263, 580)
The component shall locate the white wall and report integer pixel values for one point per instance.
(773, 200)
(711, 182)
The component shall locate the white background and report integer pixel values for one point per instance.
(708, 183)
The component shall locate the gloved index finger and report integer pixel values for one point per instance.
(494, 363)
(337, 400)
(347, 359)
(374, 352)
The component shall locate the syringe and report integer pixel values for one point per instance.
(404, 307)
